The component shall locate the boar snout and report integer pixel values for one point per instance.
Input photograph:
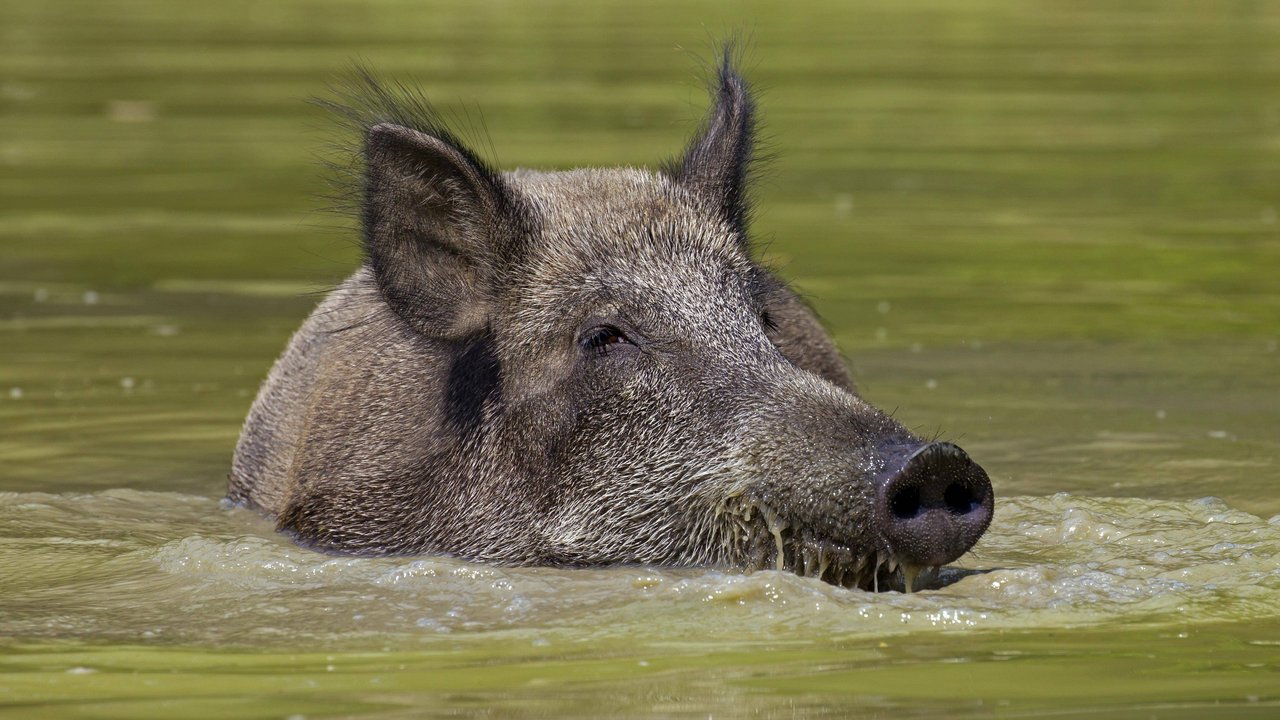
(934, 506)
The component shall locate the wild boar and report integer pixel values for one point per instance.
(585, 367)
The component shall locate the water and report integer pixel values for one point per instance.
(186, 595)
(1047, 232)
(1060, 561)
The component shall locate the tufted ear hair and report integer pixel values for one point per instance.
(435, 217)
(716, 163)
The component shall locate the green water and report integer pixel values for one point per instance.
(1048, 231)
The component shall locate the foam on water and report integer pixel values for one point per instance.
(125, 565)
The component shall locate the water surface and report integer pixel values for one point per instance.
(1047, 232)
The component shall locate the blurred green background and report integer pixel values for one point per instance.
(1047, 230)
(1026, 223)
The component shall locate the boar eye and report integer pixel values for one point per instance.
(604, 338)
(767, 321)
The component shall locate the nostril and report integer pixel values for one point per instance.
(905, 503)
(959, 500)
(934, 505)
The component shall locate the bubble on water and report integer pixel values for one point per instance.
(882, 334)
(916, 347)
(81, 670)
(40, 295)
(1160, 414)
(414, 570)
(931, 384)
(164, 330)
(1219, 434)
(474, 572)
(90, 297)
(883, 307)
(1209, 503)
(519, 605)
(644, 582)
(15, 393)
(954, 617)
(127, 384)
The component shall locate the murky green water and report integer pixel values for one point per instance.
(1049, 231)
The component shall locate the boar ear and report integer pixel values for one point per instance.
(434, 217)
(716, 163)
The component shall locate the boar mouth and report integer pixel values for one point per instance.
(773, 542)
(928, 507)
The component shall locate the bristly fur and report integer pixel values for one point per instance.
(362, 99)
(448, 398)
(733, 110)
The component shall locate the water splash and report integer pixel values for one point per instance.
(123, 564)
